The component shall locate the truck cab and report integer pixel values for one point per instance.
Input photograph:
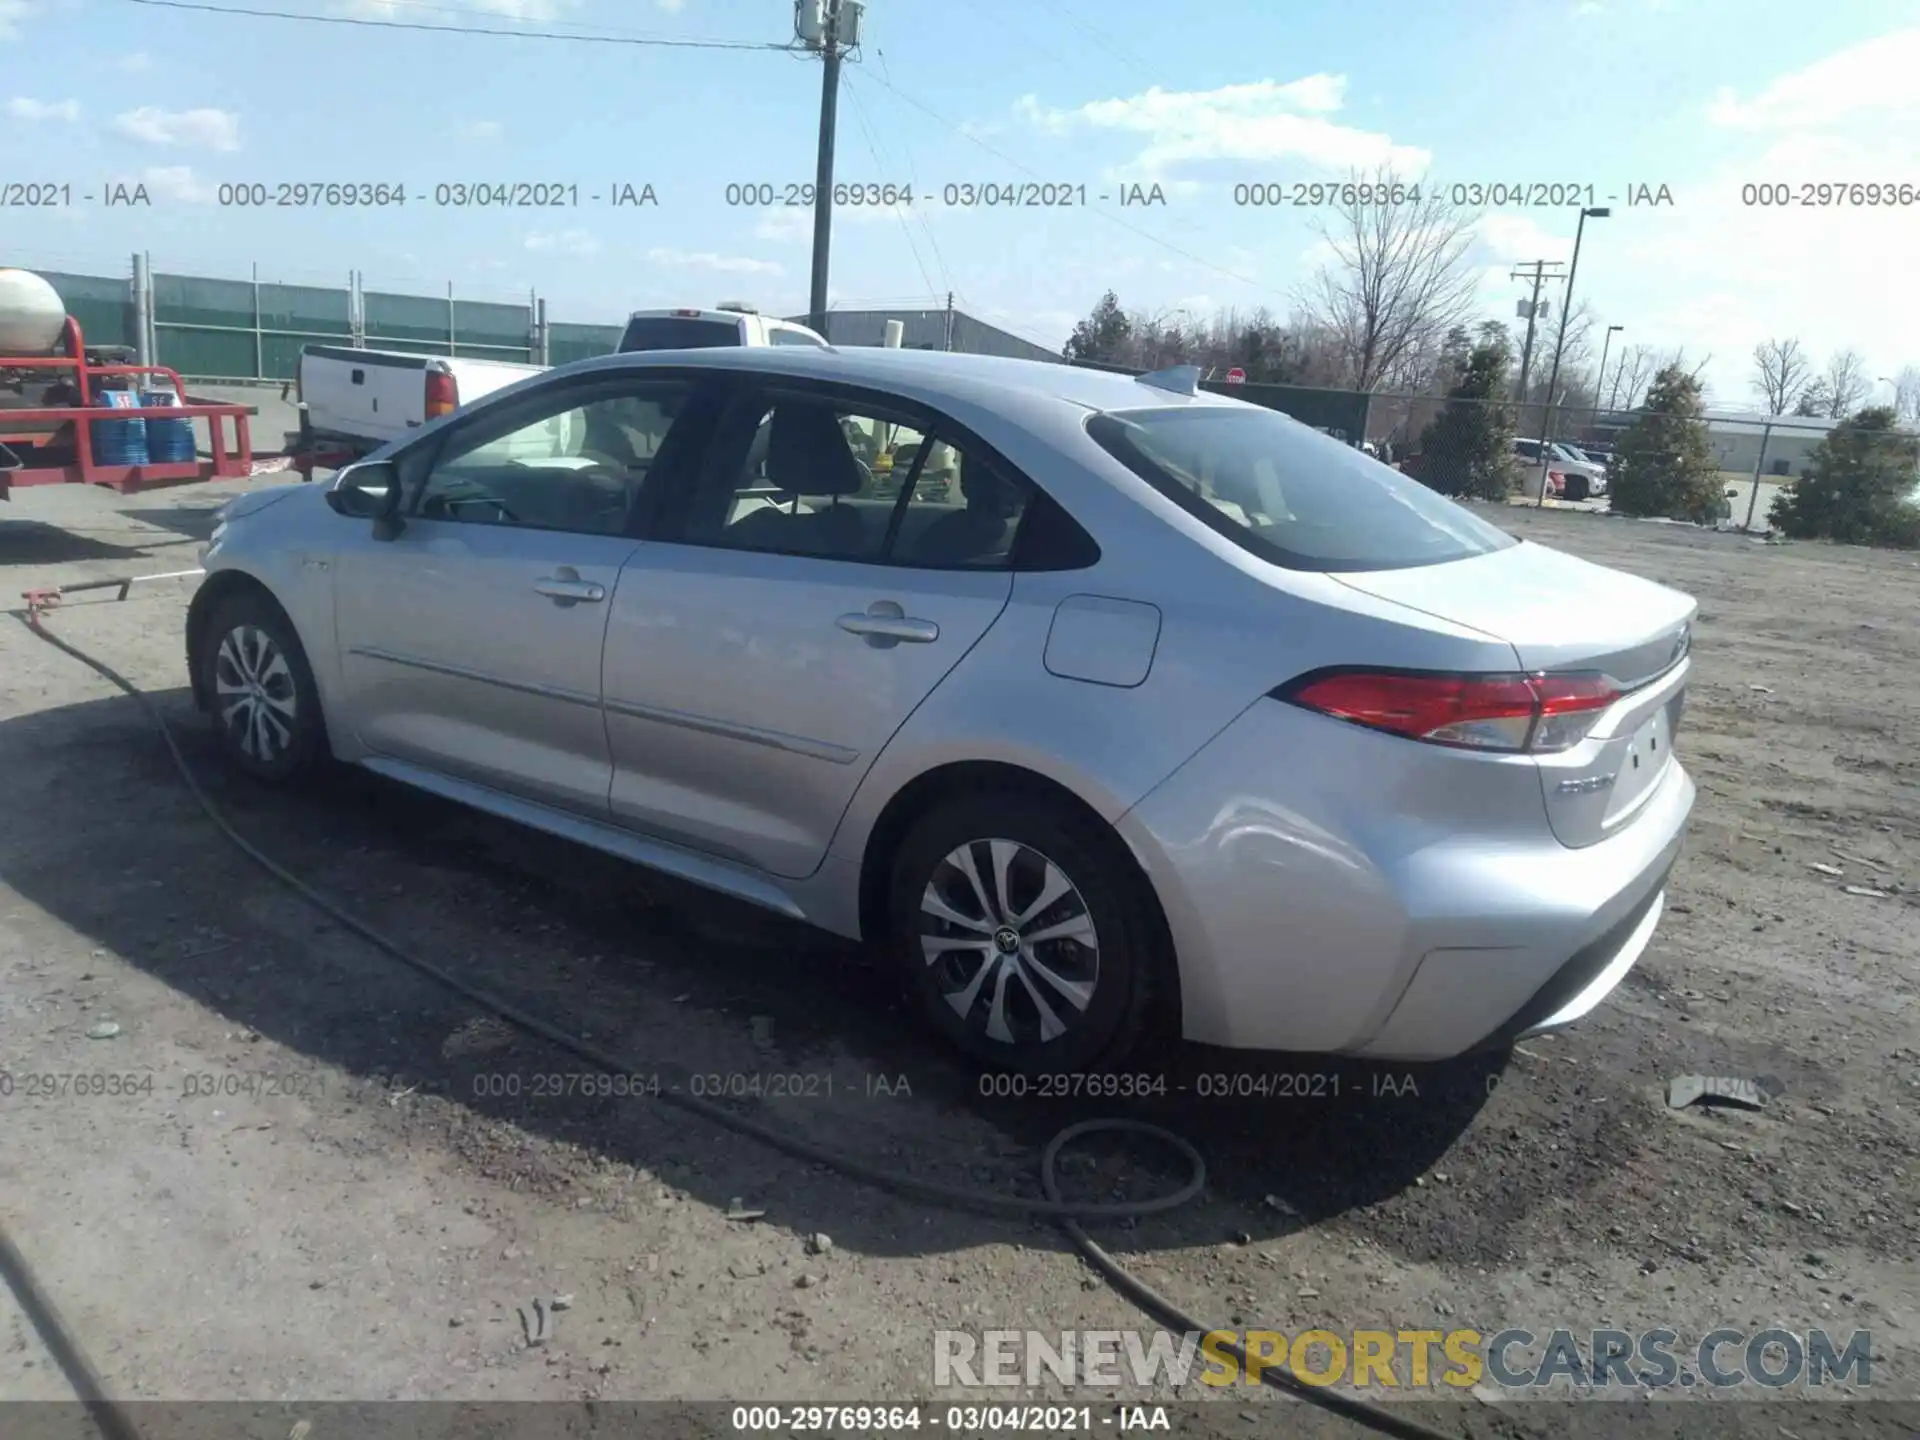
(726, 325)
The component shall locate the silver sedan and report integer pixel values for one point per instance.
(1101, 706)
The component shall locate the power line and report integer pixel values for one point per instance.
(913, 174)
(860, 115)
(1031, 173)
(600, 38)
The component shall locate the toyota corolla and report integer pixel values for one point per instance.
(1162, 712)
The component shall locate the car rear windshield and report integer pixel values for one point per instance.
(1288, 494)
(678, 332)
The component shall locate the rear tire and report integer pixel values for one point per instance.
(1024, 934)
(260, 693)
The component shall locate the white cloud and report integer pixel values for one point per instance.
(1264, 120)
(530, 10)
(672, 7)
(707, 260)
(786, 225)
(1871, 78)
(204, 129)
(564, 242)
(12, 12)
(176, 182)
(478, 130)
(1719, 274)
(33, 112)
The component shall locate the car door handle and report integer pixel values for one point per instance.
(890, 627)
(571, 590)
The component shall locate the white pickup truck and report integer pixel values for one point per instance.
(354, 401)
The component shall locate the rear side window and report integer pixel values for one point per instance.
(1289, 495)
(678, 332)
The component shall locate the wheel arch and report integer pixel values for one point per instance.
(214, 591)
(944, 782)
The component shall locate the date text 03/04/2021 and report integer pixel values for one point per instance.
(274, 195)
(967, 1420)
(1378, 1084)
(41, 1085)
(705, 1085)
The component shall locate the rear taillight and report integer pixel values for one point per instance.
(1532, 713)
(443, 396)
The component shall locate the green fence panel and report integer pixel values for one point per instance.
(102, 304)
(496, 327)
(212, 354)
(1341, 412)
(567, 343)
(406, 317)
(304, 309)
(196, 300)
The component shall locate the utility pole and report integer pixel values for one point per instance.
(949, 340)
(1537, 271)
(831, 27)
(1594, 212)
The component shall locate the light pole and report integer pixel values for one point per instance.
(1598, 212)
(1605, 345)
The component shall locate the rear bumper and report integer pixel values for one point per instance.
(1349, 902)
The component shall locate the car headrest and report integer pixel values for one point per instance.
(808, 454)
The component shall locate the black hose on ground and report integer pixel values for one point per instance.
(1067, 1214)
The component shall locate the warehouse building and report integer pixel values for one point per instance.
(928, 330)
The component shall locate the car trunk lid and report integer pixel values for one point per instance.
(1565, 615)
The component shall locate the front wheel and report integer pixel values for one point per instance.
(260, 691)
(1024, 934)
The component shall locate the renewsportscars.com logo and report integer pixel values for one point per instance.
(1511, 1359)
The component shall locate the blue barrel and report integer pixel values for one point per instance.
(169, 442)
(119, 442)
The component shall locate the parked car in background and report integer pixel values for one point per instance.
(1566, 476)
(351, 402)
(1172, 716)
(1580, 455)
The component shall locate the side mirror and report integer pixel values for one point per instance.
(369, 491)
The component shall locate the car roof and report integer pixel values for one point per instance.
(933, 375)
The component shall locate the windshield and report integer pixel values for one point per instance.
(793, 335)
(1290, 495)
(1573, 452)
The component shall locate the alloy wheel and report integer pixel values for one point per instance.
(255, 692)
(1011, 941)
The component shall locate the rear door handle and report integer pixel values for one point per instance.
(885, 623)
(569, 591)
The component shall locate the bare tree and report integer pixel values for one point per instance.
(1847, 384)
(1399, 279)
(1906, 394)
(1632, 373)
(1781, 369)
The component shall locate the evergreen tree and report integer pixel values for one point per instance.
(1105, 335)
(1663, 465)
(1468, 449)
(1860, 486)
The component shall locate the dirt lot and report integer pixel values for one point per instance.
(372, 1188)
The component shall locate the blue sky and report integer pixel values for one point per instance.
(1698, 95)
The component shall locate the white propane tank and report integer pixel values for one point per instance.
(32, 315)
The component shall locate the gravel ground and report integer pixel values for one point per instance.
(374, 1186)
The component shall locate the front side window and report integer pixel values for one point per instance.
(579, 466)
(1288, 495)
(807, 476)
